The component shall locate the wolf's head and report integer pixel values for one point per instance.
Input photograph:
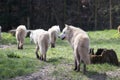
(57, 29)
(65, 33)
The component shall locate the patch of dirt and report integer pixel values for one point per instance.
(46, 72)
(98, 77)
(113, 74)
(42, 74)
(5, 46)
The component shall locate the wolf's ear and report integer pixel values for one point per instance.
(66, 25)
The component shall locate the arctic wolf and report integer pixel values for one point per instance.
(79, 42)
(42, 45)
(20, 35)
(53, 33)
(41, 39)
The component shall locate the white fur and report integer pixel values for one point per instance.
(41, 38)
(34, 35)
(20, 35)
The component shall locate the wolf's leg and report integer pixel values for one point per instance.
(21, 45)
(77, 60)
(52, 45)
(75, 63)
(84, 68)
(78, 64)
(18, 45)
(44, 57)
(21, 42)
(36, 52)
(41, 57)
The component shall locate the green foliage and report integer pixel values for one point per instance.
(117, 35)
(13, 64)
(11, 54)
(7, 38)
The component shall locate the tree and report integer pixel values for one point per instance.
(110, 14)
(96, 6)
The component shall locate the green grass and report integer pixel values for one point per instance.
(14, 62)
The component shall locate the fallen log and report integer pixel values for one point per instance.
(104, 56)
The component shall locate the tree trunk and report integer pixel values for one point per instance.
(0, 32)
(28, 22)
(64, 11)
(96, 5)
(110, 14)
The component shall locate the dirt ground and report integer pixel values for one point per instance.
(5, 46)
(42, 74)
(45, 74)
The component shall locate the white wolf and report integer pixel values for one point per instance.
(20, 35)
(41, 38)
(79, 41)
(54, 32)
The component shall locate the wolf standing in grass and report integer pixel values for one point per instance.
(79, 41)
(41, 38)
(20, 35)
(42, 45)
(53, 33)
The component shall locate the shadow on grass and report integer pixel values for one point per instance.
(62, 42)
(29, 48)
(96, 76)
(56, 60)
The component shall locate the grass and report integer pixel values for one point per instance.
(14, 62)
